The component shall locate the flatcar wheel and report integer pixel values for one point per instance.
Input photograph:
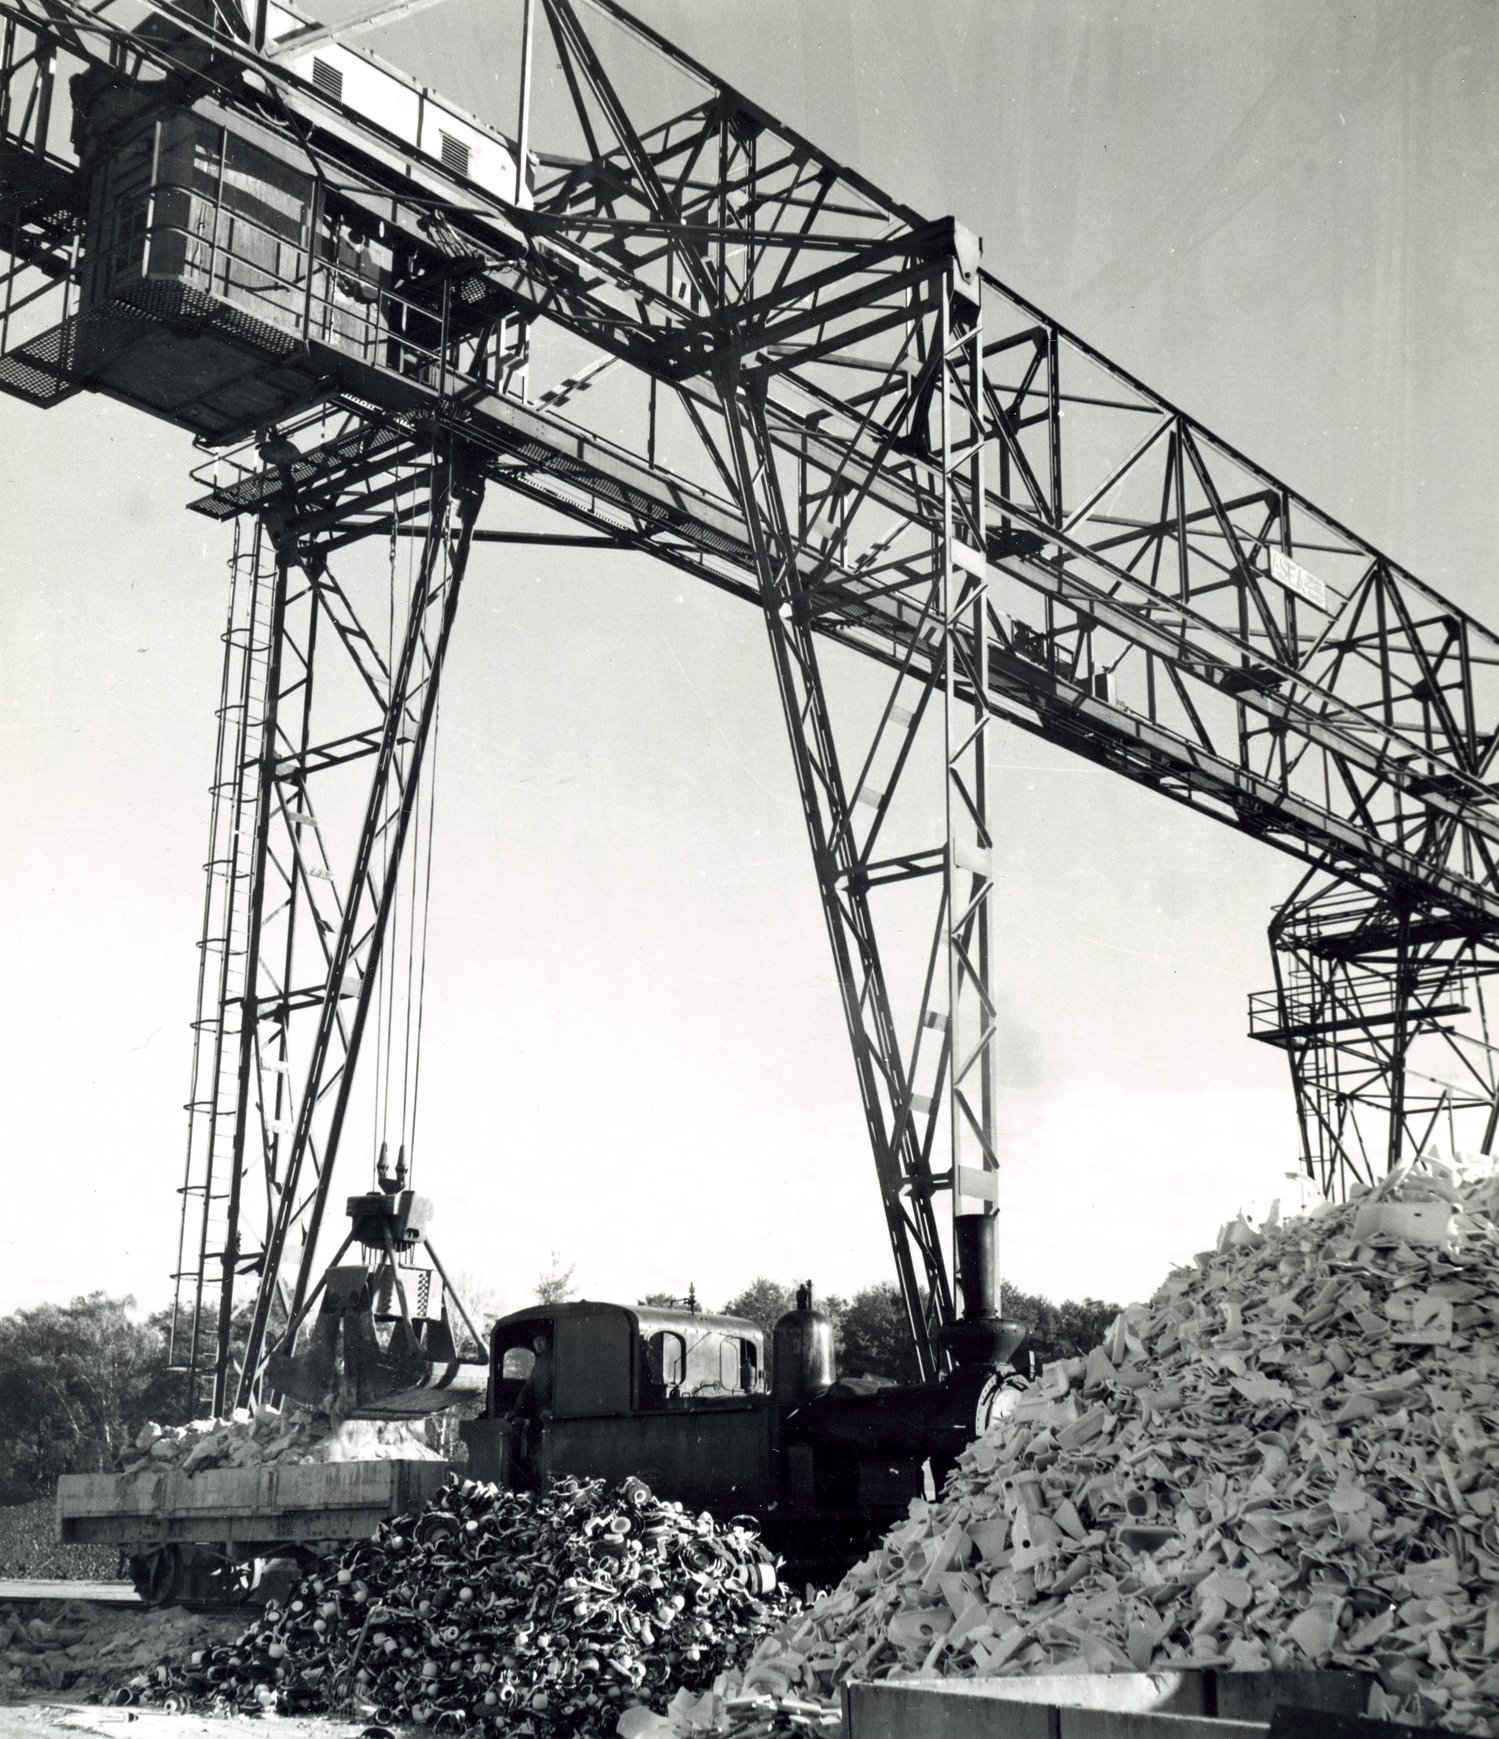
(218, 1577)
(157, 1575)
(239, 1578)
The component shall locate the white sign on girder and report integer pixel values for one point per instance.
(1297, 579)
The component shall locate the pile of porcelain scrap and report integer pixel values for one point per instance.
(268, 1435)
(1288, 1458)
(501, 1611)
(44, 1649)
(76, 1646)
(729, 1709)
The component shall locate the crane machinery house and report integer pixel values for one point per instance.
(225, 282)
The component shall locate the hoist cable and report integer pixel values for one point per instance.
(386, 979)
(380, 977)
(422, 908)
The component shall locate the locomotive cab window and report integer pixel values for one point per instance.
(513, 1364)
(721, 1364)
(665, 1367)
(738, 1365)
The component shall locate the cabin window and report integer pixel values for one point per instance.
(737, 1364)
(728, 1362)
(673, 1357)
(665, 1367)
(513, 1364)
(517, 1364)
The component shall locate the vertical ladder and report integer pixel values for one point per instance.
(205, 1260)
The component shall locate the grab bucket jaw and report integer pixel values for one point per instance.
(378, 1349)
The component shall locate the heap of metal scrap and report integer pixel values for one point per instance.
(501, 1611)
(1287, 1458)
(271, 1435)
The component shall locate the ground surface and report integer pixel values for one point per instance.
(66, 1648)
(47, 1683)
(61, 1720)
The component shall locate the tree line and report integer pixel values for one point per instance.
(77, 1383)
(873, 1339)
(79, 1380)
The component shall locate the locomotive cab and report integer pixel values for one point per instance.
(675, 1397)
(684, 1401)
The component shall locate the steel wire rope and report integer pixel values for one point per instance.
(423, 907)
(407, 908)
(379, 1092)
(415, 1054)
(399, 915)
(384, 984)
(416, 915)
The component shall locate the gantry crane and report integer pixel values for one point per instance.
(662, 313)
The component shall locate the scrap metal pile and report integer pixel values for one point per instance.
(1287, 1458)
(269, 1435)
(501, 1611)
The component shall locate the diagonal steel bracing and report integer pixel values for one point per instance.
(331, 693)
(741, 356)
(925, 1050)
(883, 1067)
(1385, 1012)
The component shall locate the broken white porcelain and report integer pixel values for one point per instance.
(1288, 1457)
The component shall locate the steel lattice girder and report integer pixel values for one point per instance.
(1151, 599)
(319, 787)
(1383, 1012)
(1342, 707)
(953, 1016)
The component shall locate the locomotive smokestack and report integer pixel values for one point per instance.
(979, 1336)
(974, 1247)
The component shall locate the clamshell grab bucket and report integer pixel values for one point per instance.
(377, 1349)
(345, 1368)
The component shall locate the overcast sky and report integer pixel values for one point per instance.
(1278, 213)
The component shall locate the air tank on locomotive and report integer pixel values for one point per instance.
(803, 1361)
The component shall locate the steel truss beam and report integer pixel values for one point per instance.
(330, 696)
(40, 216)
(1385, 1013)
(948, 1034)
(1359, 703)
(741, 359)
